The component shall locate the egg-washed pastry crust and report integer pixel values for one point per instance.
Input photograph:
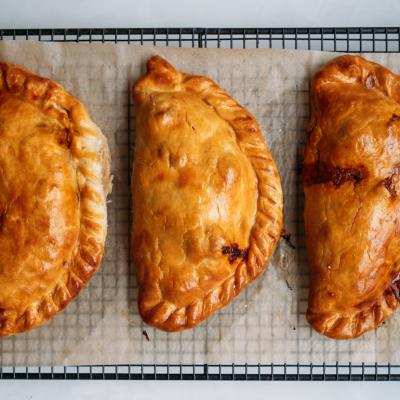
(54, 179)
(207, 198)
(352, 203)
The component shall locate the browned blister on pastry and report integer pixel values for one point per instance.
(54, 178)
(352, 197)
(207, 199)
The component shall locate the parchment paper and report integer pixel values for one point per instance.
(266, 323)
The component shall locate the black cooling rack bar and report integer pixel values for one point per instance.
(384, 39)
(233, 372)
(225, 31)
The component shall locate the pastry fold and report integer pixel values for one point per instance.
(352, 204)
(207, 198)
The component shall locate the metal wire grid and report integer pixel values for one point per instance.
(326, 39)
(245, 372)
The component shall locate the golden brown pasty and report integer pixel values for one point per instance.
(352, 203)
(54, 178)
(207, 198)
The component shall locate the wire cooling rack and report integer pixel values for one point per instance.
(327, 39)
(353, 40)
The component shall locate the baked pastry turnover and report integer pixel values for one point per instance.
(352, 203)
(54, 178)
(207, 198)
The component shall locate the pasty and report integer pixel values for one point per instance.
(207, 199)
(352, 204)
(54, 178)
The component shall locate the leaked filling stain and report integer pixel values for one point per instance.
(65, 138)
(394, 118)
(145, 334)
(234, 252)
(323, 172)
(396, 287)
(2, 218)
(288, 238)
(390, 186)
(391, 181)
